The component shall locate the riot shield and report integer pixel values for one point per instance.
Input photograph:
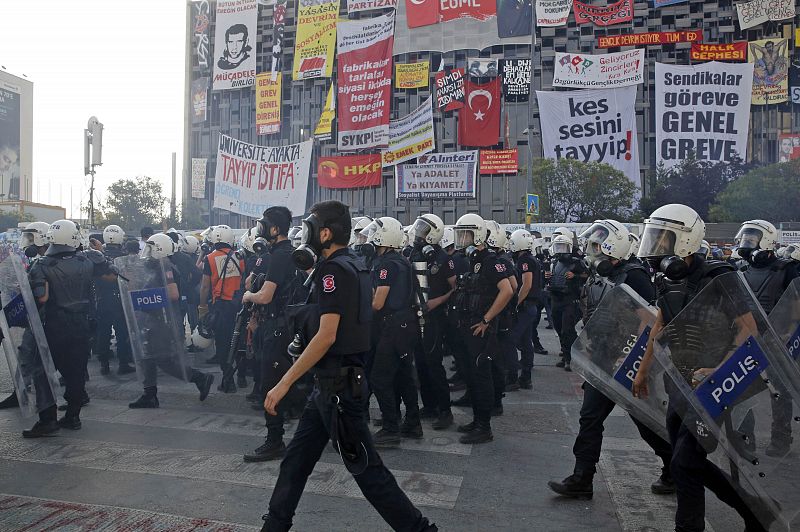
(735, 389)
(785, 319)
(609, 350)
(25, 344)
(154, 320)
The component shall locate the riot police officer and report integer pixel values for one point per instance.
(566, 278)
(109, 310)
(529, 277)
(395, 332)
(608, 249)
(537, 252)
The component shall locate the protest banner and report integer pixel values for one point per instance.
(450, 89)
(315, 40)
(788, 147)
(199, 177)
(364, 58)
(770, 58)
(250, 178)
(482, 68)
(516, 79)
(410, 136)
(411, 75)
(585, 71)
(268, 103)
(202, 25)
(349, 171)
(735, 51)
(199, 100)
(592, 125)
(702, 111)
(499, 162)
(758, 12)
(234, 44)
(616, 13)
(354, 6)
(437, 175)
(552, 12)
(653, 38)
(323, 129)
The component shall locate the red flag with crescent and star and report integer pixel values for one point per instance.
(479, 119)
(422, 13)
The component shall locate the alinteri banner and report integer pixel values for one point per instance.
(587, 71)
(234, 44)
(315, 41)
(702, 111)
(443, 175)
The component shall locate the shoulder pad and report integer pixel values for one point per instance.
(44, 261)
(713, 268)
(95, 256)
(630, 266)
(781, 264)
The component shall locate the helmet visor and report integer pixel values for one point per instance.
(464, 236)
(560, 248)
(749, 238)
(147, 251)
(420, 230)
(26, 239)
(595, 236)
(657, 242)
(369, 231)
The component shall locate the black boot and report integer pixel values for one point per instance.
(560, 363)
(525, 381)
(9, 402)
(512, 383)
(203, 381)
(481, 433)
(540, 350)
(577, 486)
(149, 399)
(271, 450)
(464, 400)
(444, 421)
(567, 366)
(70, 422)
(227, 386)
(386, 438)
(411, 429)
(42, 430)
(664, 485)
(466, 428)
(241, 380)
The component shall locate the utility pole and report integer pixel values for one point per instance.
(172, 200)
(92, 143)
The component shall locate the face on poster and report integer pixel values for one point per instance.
(235, 66)
(770, 58)
(9, 133)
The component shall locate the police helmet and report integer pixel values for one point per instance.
(113, 234)
(221, 234)
(159, 246)
(521, 240)
(294, 235)
(247, 239)
(63, 235)
(191, 245)
(609, 238)
(757, 234)
(634, 244)
(384, 232)
(672, 230)
(496, 237)
(359, 223)
(564, 231)
(35, 234)
(429, 229)
(470, 230)
(448, 238)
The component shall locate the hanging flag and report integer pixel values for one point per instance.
(450, 89)
(514, 18)
(268, 103)
(315, 40)
(479, 119)
(422, 12)
(349, 171)
(516, 79)
(323, 130)
(234, 44)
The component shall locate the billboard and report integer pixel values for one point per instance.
(16, 136)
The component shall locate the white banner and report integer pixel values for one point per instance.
(470, 156)
(758, 12)
(552, 12)
(451, 176)
(593, 125)
(235, 44)
(410, 136)
(587, 71)
(250, 178)
(702, 110)
(354, 6)
(199, 177)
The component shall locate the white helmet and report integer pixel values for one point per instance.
(200, 340)
(537, 245)
(221, 234)
(359, 224)
(247, 239)
(113, 234)
(496, 237)
(294, 235)
(781, 253)
(64, 233)
(609, 238)
(564, 231)
(429, 228)
(634, 244)
(448, 238)
(757, 234)
(792, 252)
(561, 245)
(672, 229)
(159, 246)
(521, 240)
(35, 234)
(470, 230)
(384, 232)
(705, 249)
(191, 245)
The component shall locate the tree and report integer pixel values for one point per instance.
(134, 203)
(767, 193)
(573, 191)
(192, 216)
(10, 219)
(692, 182)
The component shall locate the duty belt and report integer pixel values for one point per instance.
(332, 381)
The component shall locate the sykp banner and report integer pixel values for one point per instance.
(436, 180)
(250, 178)
(599, 71)
(592, 126)
(735, 51)
(349, 171)
(616, 13)
(364, 82)
(268, 103)
(552, 12)
(234, 44)
(315, 40)
(354, 6)
(410, 136)
(758, 12)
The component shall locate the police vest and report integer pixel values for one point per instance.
(559, 284)
(226, 274)
(768, 282)
(598, 286)
(401, 294)
(353, 335)
(69, 279)
(474, 293)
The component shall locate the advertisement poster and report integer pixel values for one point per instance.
(199, 100)
(411, 75)
(616, 13)
(586, 71)
(323, 129)
(354, 6)
(199, 178)
(410, 136)
(349, 171)
(757, 12)
(592, 125)
(552, 12)
(364, 58)
(499, 162)
(654, 38)
(202, 25)
(268, 103)
(9, 135)
(450, 89)
(250, 178)
(235, 44)
(479, 119)
(315, 41)
(516, 79)
(438, 176)
(735, 51)
(703, 111)
(770, 59)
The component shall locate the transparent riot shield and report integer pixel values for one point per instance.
(25, 344)
(735, 389)
(610, 348)
(153, 318)
(785, 319)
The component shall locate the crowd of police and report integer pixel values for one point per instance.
(325, 315)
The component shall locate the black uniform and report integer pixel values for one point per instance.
(341, 286)
(564, 294)
(529, 313)
(505, 337)
(110, 314)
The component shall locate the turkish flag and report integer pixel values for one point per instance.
(479, 119)
(422, 12)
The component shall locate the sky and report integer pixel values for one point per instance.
(120, 61)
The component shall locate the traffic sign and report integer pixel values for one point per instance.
(533, 204)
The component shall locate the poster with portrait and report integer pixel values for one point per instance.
(9, 133)
(199, 100)
(235, 44)
(770, 58)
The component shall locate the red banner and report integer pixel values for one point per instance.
(349, 171)
(499, 162)
(422, 12)
(643, 39)
(477, 9)
(450, 89)
(364, 49)
(479, 119)
(735, 51)
(616, 13)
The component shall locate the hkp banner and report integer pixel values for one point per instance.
(586, 71)
(234, 44)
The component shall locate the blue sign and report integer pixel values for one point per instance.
(16, 312)
(149, 299)
(720, 389)
(532, 204)
(630, 366)
(794, 343)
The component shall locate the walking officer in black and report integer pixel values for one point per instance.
(566, 278)
(336, 409)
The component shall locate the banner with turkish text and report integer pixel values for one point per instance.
(616, 13)
(199, 178)
(450, 89)
(199, 100)
(202, 26)
(552, 12)
(770, 58)
(653, 38)
(411, 75)
(315, 40)
(268, 103)
(323, 129)
(499, 162)
(587, 71)
(735, 51)
(234, 44)
(758, 12)
(410, 136)
(364, 59)
(349, 171)
(516, 79)
(438, 176)
(479, 119)
(354, 6)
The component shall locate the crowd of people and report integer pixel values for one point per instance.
(324, 315)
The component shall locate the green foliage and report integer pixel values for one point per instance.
(191, 216)
(573, 191)
(134, 203)
(769, 193)
(10, 219)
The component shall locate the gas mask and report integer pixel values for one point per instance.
(31, 251)
(367, 250)
(756, 257)
(264, 230)
(472, 253)
(564, 257)
(310, 248)
(674, 268)
(260, 245)
(603, 266)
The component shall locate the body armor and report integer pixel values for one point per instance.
(767, 283)
(360, 318)
(69, 278)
